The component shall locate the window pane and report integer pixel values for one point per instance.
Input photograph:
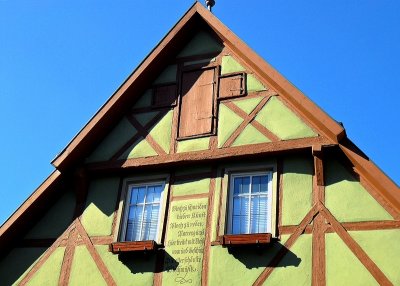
(236, 225)
(255, 184)
(134, 195)
(157, 193)
(264, 183)
(141, 195)
(147, 222)
(237, 185)
(133, 224)
(150, 194)
(245, 185)
(236, 206)
(244, 203)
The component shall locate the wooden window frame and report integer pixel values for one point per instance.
(243, 85)
(154, 105)
(119, 245)
(216, 67)
(233, 240)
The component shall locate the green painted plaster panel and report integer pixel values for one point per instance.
(113, 142)
(230, 65)
(161, 132)
(144, 100)
(383, 247)
(168, 75)
(50, 271)
(347, 199)
(193, 144)
(97, 217)
(281, 121)
(201, 43)
(297, 189)
(240, 267)
(342, 266)
(57, 218)
(134, 270)
(250, 135)
(146, 117)
(253, 84)
(248, 105)
(17, 264)
(296, 266)
(228, 122)
(84, 270)
(191, 187)
(185, 242)
(141, 148)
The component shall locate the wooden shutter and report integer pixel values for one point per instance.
(164, 95)
(196, 116)
(232, 85)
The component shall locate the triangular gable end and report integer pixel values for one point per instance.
(255, 115)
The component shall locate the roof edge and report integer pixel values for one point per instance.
(372, 173)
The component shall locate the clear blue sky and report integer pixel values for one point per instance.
(61, 60)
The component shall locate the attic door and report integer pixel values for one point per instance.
(196, 116)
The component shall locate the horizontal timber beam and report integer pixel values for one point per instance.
(209, 155)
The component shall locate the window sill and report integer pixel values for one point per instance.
(245, 239)
(133, 246)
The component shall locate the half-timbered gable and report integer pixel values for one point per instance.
(207, 167)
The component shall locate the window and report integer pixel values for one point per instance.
(142, 212)
(141, 215)
(250, 203)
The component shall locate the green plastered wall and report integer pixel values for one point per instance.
(57, 218)
(240, 267)
(191, 187)
(114, 141)
(193, 145)
(342, 266)
(160, 132)
(383, 247)
(97, 217)
(347, 199)
(230, 65)
(228, 122)
(134, 270)
(50, 271)
(297, 189)
(295, 267)
(84, 270)
(281, 121)
(201, 43)
(144, 100)
(17, 263)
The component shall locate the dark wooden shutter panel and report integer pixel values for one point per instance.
(196, 115)
(164, 95)
(232, 85)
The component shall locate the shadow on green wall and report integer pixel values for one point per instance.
(15, 264)
(255, 257)
(337, 172)
(146, 262)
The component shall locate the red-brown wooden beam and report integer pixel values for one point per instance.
(256, 150)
